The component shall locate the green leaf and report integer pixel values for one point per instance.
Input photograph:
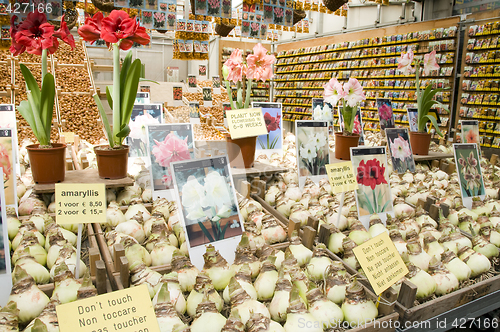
(25, 110)
(124, 69)
(47, 103)
(262, 145)
(385, 206)
(130, 92)
(104, 119)
(206, 232)
(146, 80)
(42, 137)
(224, 230)
(31, 83)
(109, 95)
(369, 205)
(434, 123)
(124, 131)
(275, 140)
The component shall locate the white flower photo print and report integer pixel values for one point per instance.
(313, 152)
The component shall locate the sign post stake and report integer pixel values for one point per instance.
(339, 211)
(78, 250)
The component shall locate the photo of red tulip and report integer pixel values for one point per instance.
(177, 92)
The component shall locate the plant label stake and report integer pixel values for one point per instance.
(80, 203)
(5, 272)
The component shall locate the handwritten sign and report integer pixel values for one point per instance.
(128, 310)
(341, 177)
(381, 262)
(80, 203)
(246, 123)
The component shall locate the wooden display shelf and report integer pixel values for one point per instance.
(259, 169)
(88, 175)
(433, 156)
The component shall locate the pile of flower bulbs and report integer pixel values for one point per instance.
(261, 227)
(440, 258)
(287, 159)
(263, 290)
(31, 309)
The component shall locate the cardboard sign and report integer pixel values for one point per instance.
(381, 262)
(341, 177)
(80, 203)
(127, 310)
(69, 137)
(246, 123)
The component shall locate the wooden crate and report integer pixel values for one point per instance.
(409, 313)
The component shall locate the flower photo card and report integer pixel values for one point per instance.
(279, 13)
(273, 141)
(313, 152)
(207, 204)
(245, 28)
(177, 95)
(171, 21)
(373, 195)
(167, 143)
(192, 86)
(8, 120)
(5, 270)
(467, 159)
(202, 70)
(147, 19)
(412, 118)
(204, 46)
(214, 8)
(470, 131)
(142, 97)
(151, 4)
(159, 20)
(400, 149)
(226, 11)
(181, 25)
(386, 116)
(7, 162)
(207, 96)
(142, 116)
(125, 3)
(194, 113)
(200, 7)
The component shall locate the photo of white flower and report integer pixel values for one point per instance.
(208, 200)
(312, 147)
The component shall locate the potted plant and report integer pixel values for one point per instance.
(120, 32)
(36, 36)
(257, 67)
(350, 94)
(421, 140)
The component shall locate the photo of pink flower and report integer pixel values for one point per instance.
(278, 15)
(385, 113)
(399, 146)
(7, 163)
(213, 7)
(168, 143)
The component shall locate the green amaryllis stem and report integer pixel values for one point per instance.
(421, 123)
(44, 63)
(116, 141)
(247, 94)
(229, 94)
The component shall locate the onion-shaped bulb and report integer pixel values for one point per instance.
(141, 274)
(298, 317)
(243, 303)
(445, 280)
(266, 280)
(186, 271)
(455, 265)
(357, 308)
(324, 310)
(166, 315)
(317, 267)
(217, 268)
(9, 317)
(176, 297)
(244, 278)
(65, 285)
(299, 251)
(203, 289)
(207, 318)
(477, 262)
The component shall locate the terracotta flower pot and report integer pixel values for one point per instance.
(111, 163)
(241, 151)
(343, 145)
(48, 165)
(420, 142)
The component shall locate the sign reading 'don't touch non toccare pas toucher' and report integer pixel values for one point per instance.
(246, 123)
(381, 262)
(341, 177)
(128, 310)
(80, 203)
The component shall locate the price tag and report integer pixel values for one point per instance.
(246, 123)
(80, 203)
(341, 177)
(69, 137)
(128, 310)
(381, 262)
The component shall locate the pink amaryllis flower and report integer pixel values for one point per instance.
(259, 64)
(333, 91)
(171, 149)
(353, 92)
(235, 66)
(400, 148)
(404, 63)
(430, 63)
(385, 112)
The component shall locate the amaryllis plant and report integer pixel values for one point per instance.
(272, 124)
(370, 175)
(120, 32)
(350, 94)
(36, 36)
(424, 97)
(258, 66)
(210, 201)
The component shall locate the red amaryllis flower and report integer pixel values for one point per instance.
(270, 122)
(91, 30)
(370, 173)
(64, 34)
(118, 25)
(35, 33)
(15, 47)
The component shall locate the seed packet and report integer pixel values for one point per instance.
(181, 25)
(472, 30)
